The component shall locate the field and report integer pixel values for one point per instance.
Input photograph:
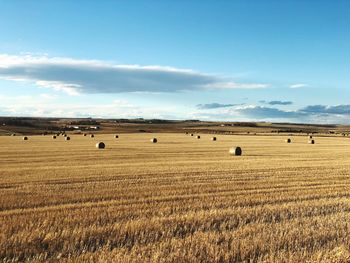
(179, 200)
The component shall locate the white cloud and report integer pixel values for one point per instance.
(298, 86)
(92, 76)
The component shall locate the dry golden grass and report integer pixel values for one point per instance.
(180, 200)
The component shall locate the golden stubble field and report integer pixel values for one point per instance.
(180, 200)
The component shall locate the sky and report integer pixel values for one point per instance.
(243, 60)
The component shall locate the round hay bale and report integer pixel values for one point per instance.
(13, 134)
(198, 137)
(186, 132)
(192, 134)
(213, 138)
(54, 137)
(154, 140)
(288, 140)
(85, 134)
(25, 138)
(100, 145)
(65, 135)
(92, 136)
(311, 141)
(310, 137)
(235, 151)
(116, 136)
(67, 138)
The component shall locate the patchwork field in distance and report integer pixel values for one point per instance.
(181, 199)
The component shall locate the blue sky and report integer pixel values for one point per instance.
(209, 60)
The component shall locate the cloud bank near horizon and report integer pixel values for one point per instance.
(47, 105)
(91, 76)
(312, 113)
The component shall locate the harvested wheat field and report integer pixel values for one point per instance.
(180, 200)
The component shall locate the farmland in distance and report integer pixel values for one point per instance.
(179, 200)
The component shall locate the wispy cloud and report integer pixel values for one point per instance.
(214, 106)
(91, 76)
(298, 86)
(276, 102)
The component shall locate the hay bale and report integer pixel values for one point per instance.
(154, 140)
(65, 135)
(198, 137)
(13, 134)
(116, 136)
(67, 138)
(25, 138)
(92, 136)
(213, 138)
(288, 140)
(311, 141)
(192, 134)
(85, 134)
(54, 137)
(237, 151)
(310, 137)
(100, 145)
